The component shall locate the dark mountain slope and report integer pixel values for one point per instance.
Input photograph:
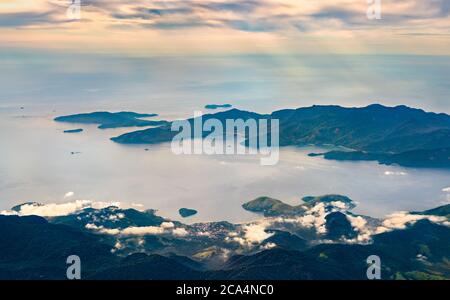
(32, 248)
(110, 217)
(420, 251)
(141, 266)
(374, 128)
(443, 211)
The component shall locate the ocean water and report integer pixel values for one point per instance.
(70, 83)
(36, 163)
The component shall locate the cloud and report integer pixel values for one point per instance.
(116, 217)
(256, 233)
(395, 173)
(315, 217)
(102, 230)
(143, 230)
(68, 195)
(180, 232)
(243, 15)
(164, 228)
(243, 6)
(259, 25)
(203, 233)
(8, 213)
(167, 225)
(400, 220)
(268, 246)
(342, 13)
(232, 25)
(446, 190)
(67, 208)
(361, 226)
(63, 209)
(251, 234)
(269, 16)
(117, 246)
(25, 19)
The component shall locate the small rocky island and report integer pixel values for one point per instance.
(112, 120)
(73, 130)
(270, 207)
(187, 212)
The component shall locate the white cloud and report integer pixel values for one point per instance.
(118, 245)
(8, 213)
(315, 217)
(400, 220)
(395, 173)
(255, 233)
(54, 209)
(143, 230)
(340, 205)
(342, 25)
(164, 228)
(268, 246)
(167, 225)
(102, 230)
(68, 195)
(360, 225)
(63, 209)
(180, 232)
(203, 233)
(446, 190)
(252, 234)
(116, 217)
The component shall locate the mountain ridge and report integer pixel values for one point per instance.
(392, 135)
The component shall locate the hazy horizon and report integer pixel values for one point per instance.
(176, 86)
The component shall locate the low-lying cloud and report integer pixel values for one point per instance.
(164, 228)
(62, 209)
(401, 220)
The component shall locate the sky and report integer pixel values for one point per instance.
(177, 55)
(199, 27)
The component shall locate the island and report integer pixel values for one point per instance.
(187, 212)
(73, 130)
(111, 120)
(390, 135)
(270, 207)
(217, 106)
